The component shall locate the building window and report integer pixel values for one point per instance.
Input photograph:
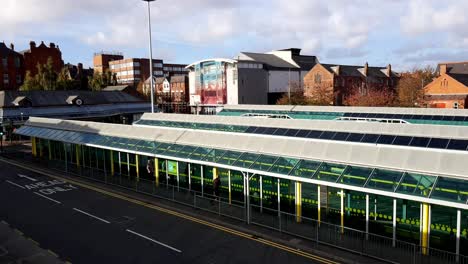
(6, 80)
(318, 78)
(157, 65)
(17, 62)
(5, 62)
(18, 79)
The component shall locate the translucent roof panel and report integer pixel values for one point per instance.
(161, 148)
(200, 153)
(174, 150)
(264, 163)
(283, 165)
(246, 160)
(185, 152)
(416, 184)
(449, 189)
(305, 169)
(356, 176)
(230, 157)
(329, 172)
(147, 146)
(384, 180)
(210, 155)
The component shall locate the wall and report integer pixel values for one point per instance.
(40, 55)
(278, 80)
(232, 82)
(12, 71)
(445, 84)
(253, 86)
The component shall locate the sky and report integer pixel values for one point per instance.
(405, 33)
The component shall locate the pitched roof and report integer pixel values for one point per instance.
(58, 98)
(269, 59)
(4, 50)
(462, 78)
(456, 67)
(305, 62)
(358, 71)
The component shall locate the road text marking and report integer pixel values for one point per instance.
(43, 196)
(152, 240)
(93, 216)
(24, 176)
(17, 185)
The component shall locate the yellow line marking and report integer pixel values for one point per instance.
(53, 253)
(190, 218)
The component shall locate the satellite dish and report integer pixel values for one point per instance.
(79, 102)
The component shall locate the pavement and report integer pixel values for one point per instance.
(84, 225)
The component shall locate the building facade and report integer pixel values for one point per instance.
(135, 70)
(11, 68)
(101, 60)
(450, 89)
(40, 55)
(171, 69)
(344, 80)
(249, 78)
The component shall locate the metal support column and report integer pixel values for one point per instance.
(298, 202)
(394, 222)
(112, 162)
(77, 153)
(425, 228)
(156, 171)
(177, 164)
(318, 205)
(166, 164)
(279, 198)
(50, 150)
(261, 193)
(137, 163)
(342, 211)
(189, 175)
(229, 185)
(457, 247)
(201, 179)
(247, 195)
(128, 164)
(367, 216)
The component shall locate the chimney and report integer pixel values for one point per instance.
(12, 47)
(389, 70)
(52, 45)
(80, 68)
(32, 44)
(442, 69)
(366, 69)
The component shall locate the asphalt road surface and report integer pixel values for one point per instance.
(86, 226)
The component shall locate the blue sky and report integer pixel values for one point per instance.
(405, 33)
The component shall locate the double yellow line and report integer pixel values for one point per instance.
(187, 217)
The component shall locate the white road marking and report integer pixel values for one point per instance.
(29, 178)
(93, 216)
(17, 185)
(43, 196)
(152, 240)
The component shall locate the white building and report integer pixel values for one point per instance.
(251, 78)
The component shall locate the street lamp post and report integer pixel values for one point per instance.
(151, 55)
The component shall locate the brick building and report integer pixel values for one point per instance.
(344, 80)
(450, 89)
(170, 89)
(101, 60)
(171, 69)
(134, 70)
(11, 68)
(40, 54)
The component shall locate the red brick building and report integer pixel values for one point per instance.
(450, 88)
(101, 60)
(344, 80)
(40, 54)
(134, 70)
(11, 68)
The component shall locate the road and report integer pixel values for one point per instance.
(84, 225)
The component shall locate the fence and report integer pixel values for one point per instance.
(357, 241)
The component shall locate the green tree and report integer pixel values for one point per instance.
(64, 82)
(46, 75)
(99, 81)
(30, 83)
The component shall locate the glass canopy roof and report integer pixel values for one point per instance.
(422, 142)
(436, 187)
